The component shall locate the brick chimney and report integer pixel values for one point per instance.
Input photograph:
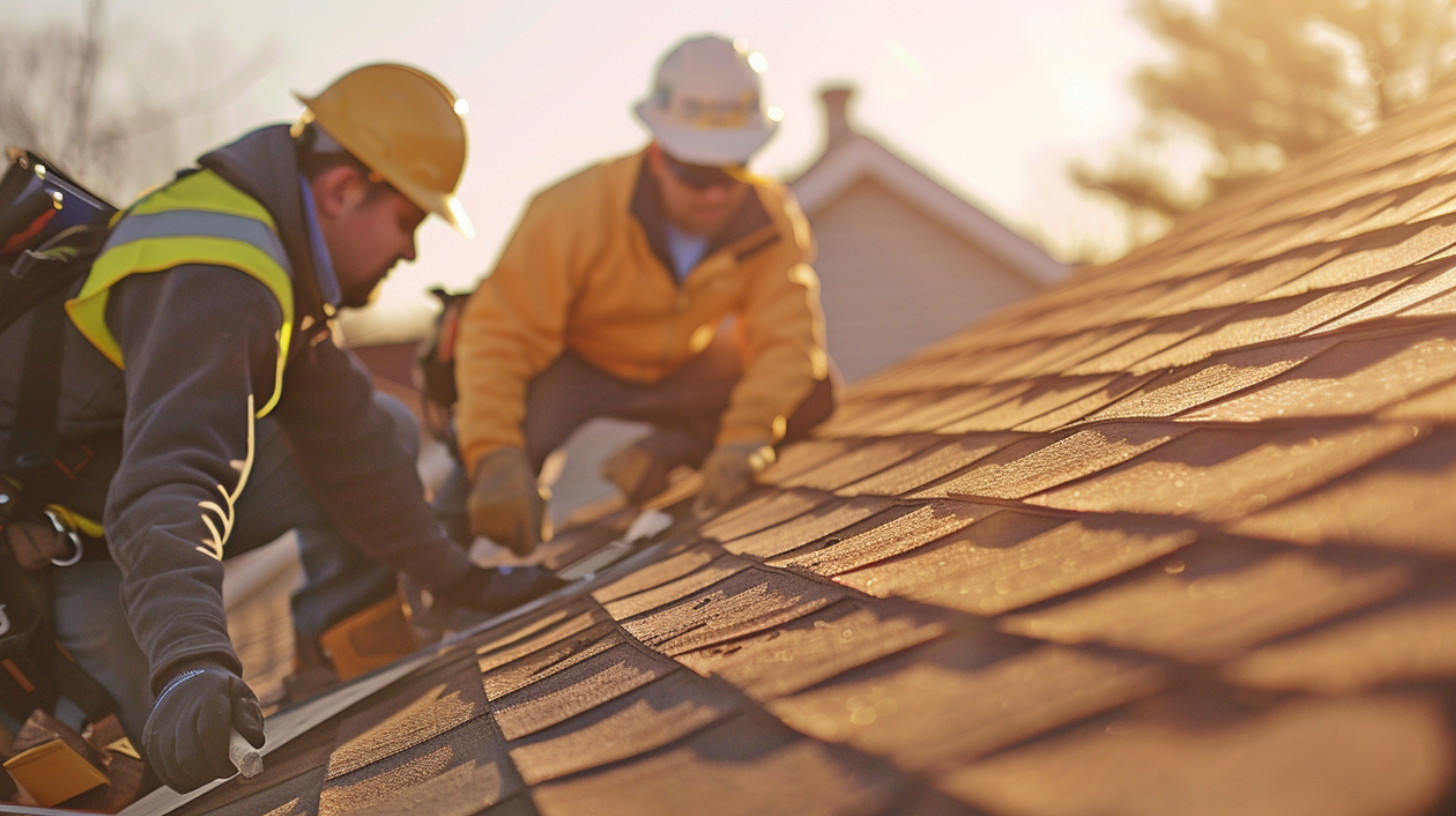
(836, 100)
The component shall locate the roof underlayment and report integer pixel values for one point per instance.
(1178, 536)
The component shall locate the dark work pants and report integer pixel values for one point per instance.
(683, 409)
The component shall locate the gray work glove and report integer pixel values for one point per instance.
(186, 736)
(729, 472)
(638, 473)
(505, 504)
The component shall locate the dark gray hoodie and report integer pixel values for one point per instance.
(200, 348)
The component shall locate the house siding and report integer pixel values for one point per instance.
(895, 280)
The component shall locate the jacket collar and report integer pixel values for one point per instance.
(646, 207)
(264, 166)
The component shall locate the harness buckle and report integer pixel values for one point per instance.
(66, 532)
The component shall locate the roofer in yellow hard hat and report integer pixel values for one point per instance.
(608, 302)
(205, 409)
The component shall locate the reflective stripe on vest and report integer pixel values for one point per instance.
(198, 219)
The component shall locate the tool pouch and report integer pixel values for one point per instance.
(39, 207)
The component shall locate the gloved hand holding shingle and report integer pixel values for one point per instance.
(728, 473)
(191, 723)
(505, 503)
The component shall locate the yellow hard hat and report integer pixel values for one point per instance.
(404, 125)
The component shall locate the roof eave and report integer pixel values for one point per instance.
(859, 156)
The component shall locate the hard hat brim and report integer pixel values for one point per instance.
(445, 205)
(716, 148)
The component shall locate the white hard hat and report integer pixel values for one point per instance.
(706, 105)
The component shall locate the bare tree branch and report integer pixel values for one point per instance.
(53, 100)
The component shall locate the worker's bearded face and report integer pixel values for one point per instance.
(367, 237)
(697, 206)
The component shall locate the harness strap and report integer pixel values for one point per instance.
(33, 439)
(79, 687)
(34, 670)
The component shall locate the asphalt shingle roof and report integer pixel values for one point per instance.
(1175, 537)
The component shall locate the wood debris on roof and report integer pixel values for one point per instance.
(1176, 537)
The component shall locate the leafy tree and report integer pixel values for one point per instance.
(1255, 83)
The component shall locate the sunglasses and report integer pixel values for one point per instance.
(702, 177)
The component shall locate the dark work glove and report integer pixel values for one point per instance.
(505, 504)
(187, 733)
(496, 590)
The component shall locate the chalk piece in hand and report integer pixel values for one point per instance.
(244, 757)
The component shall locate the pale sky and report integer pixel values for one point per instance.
(993, 97)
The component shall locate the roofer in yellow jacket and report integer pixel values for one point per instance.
(210, 411)
(609, 300)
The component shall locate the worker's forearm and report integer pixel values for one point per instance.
(200, 351)
(349, 449)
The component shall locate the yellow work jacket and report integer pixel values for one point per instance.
(580, 273)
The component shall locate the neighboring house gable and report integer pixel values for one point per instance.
(903, 260)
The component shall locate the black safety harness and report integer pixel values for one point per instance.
(51, 229)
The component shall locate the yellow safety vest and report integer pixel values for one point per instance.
(198, 219)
